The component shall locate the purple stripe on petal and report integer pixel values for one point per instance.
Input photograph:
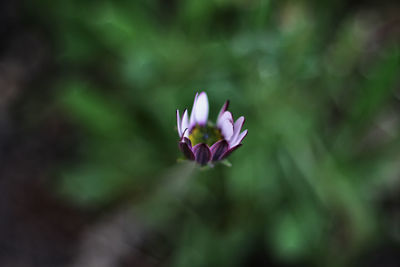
(223, 109)
(183, 135)
(227, 153)
(202, 153)
(218, 149)
(187, 152)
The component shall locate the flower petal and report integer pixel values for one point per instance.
(192, 116)
(227, 153)
(185, 120)
(186, 150)
(218, 149)
(201, 109)
(225, 116)
(178, 122)
(236, 129)
(184, 134)
(223, 109)
(202, 153)
(239, 139)
(226, 128)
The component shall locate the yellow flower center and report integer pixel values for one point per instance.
(205, 134)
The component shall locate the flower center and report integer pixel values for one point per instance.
(205, 134)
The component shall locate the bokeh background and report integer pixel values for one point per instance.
(88, 143)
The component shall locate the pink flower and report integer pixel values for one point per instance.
(204, 142)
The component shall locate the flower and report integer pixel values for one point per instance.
(201, 140)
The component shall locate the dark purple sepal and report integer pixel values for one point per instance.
(187, 141)
(218, 149)
(202, 153)
(230, 151)
(185, 147)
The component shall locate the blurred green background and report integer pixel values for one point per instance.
(316, 183)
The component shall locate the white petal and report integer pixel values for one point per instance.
(185, 120)
(239, 139)
(236, 129)
(178, 122)
(226, 129)
(185, 133)
(226, 116)
(201, 109)
(192, 117)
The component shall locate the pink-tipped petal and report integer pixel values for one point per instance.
(225, 116)
(239, 139)
(192, 119)
(202, 153)
(201, 109)
(223, 109)
(226, 128)
(186, 150)
(218, 149)
(178, 123)
(230, 151)
(237, 127)
(185, 120)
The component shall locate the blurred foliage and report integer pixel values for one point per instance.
(318, 87)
